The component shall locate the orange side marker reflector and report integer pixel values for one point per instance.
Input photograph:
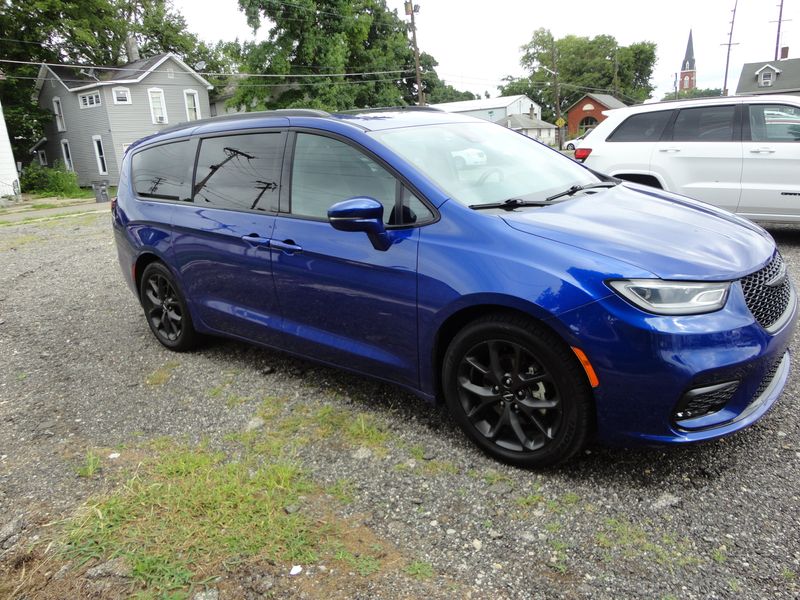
(587, 366)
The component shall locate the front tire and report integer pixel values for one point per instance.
(517, 391)
(570, 146)
(165, 309)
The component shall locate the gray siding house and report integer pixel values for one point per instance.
(771, 77)
(98, 113)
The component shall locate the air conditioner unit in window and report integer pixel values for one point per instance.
(161, 119)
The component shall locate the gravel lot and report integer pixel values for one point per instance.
(79, 370)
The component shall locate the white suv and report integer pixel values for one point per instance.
(741, 153)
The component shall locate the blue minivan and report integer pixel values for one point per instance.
(544, 303)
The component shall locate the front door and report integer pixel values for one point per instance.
(770, 181)
(342, 300)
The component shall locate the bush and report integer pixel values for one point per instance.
(56, 181)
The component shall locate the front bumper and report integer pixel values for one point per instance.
(646, 364)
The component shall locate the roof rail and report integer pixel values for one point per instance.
(410, 108)
(280, 112)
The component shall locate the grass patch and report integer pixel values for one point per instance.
(188, 510)
(363, 563)
(343, 490)
(162, 374)
(530, 500)
(90, 466)
(420, 569)
(634, 543)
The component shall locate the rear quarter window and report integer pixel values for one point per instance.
(642, 127)
(164, 172)
(705, 124)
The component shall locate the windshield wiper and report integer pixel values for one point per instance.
(579, 188)
(509, 204)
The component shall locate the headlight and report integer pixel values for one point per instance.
(673, 297)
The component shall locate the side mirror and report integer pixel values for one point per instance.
(361, 214)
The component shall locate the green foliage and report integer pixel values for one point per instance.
(583, 65)
(420, 569)
(695, 93)
(53, 181)
(90, 465)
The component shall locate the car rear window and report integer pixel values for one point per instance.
(164, 172)
(644, 127)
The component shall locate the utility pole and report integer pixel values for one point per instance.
(729, 44)
(554, 73)
(780, 22)
(411, 9)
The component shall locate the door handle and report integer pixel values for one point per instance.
(255, 239)
(762, 151)
(669, 149)
(287, 246)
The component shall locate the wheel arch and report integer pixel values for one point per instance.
(140, 264)
(459, 319)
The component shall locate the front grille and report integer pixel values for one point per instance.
(703, 401)
(767, 292)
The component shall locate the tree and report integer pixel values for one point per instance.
(84, 32)
(695, 93)
(326, 37)
(583, 65)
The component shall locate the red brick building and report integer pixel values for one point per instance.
(588, 112)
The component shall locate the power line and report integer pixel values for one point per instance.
(243, 85)
(207, 73)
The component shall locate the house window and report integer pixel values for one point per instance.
(192, 99)
(42, 156)
(158, 109)
(67, 155)
(766, 79)
(90, 100)
(121, 95)
(100, 154)
(57, 110)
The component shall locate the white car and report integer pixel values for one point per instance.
(469, 157)
(741, 153)
(573, 143)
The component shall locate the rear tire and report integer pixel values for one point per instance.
(517, 391)
(165, 309)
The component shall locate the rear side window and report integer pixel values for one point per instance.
(164, 172)
(240, 172)
(704, 124)
(644, 127)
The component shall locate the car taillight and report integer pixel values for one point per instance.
(582, 153)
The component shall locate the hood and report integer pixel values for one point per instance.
(671, 236)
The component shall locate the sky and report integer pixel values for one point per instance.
(477, 42)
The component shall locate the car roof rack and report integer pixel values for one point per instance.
(409, 108)
(279, 112)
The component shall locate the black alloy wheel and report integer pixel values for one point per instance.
(165, 309)
(517, 391)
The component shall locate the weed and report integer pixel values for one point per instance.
(161, 375)
(719, 555)
(342, 490)
(529, 500)
(492, 477)
(570, 499)
(788, 574)
(734, 585)
(420, 569)
(90, 465)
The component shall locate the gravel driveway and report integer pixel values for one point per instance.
(80, 372)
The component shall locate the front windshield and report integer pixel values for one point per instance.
(482, 163)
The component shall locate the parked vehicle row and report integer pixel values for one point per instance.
(543, 303)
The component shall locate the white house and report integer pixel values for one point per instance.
(494, 109)
(9, 182)
(532, 127)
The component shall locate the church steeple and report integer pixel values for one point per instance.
(688, 80)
